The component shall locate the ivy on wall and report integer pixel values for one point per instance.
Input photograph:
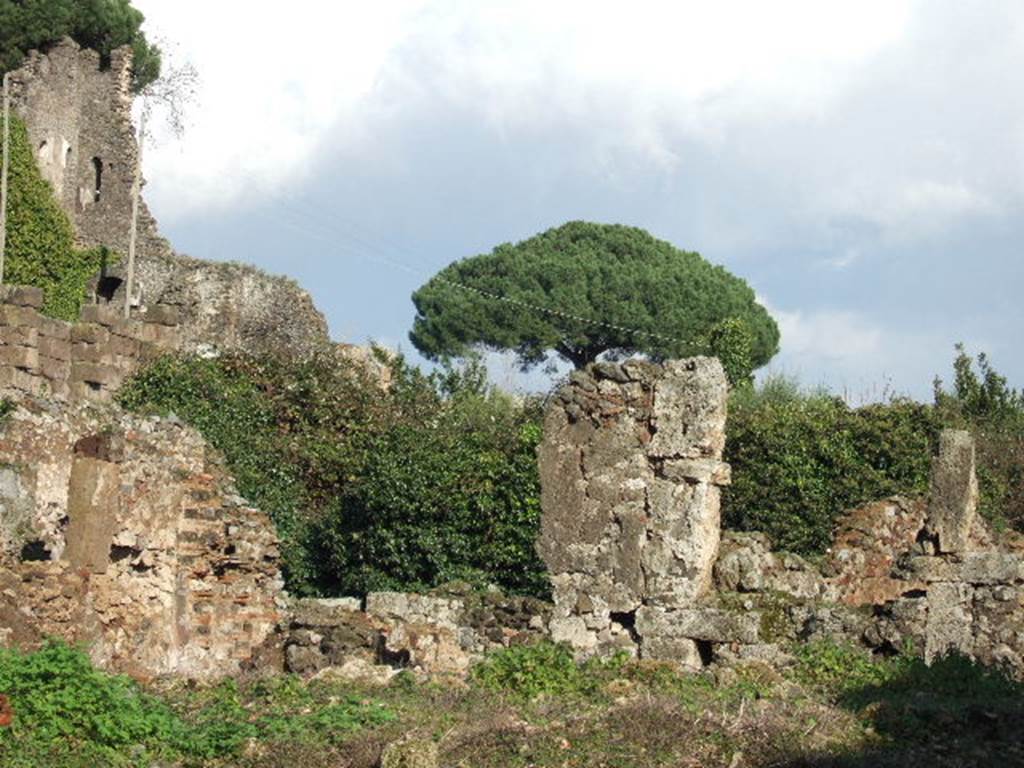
(40, 240)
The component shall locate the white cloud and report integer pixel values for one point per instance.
(290, 83)
(274, 79)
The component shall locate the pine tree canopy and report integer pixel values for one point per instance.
(607, 288)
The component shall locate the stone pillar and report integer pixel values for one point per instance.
(954, 492)
(631, 472)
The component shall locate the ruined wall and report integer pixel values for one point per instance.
(630, 475)
(918, 573)
(79, 120)
(441, 633)
(88, 360)
(124, 533)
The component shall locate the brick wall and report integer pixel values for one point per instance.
(83, 361)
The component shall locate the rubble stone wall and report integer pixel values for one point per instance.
(434, 634)
(124, 534)
(68, 362)
(630, 474)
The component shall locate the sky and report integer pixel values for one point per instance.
(860, 164)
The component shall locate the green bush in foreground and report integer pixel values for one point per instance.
(40, 240)
(67, 713)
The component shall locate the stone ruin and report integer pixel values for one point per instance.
(79, 122)
(631, 470)
(124, 533)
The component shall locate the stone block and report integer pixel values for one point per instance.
(19, 379)
(715, 625)
(948, 626)
(19, 335)
(53, 369)
(162, 314)
(55, 329)
(401, 606)
(162, 336)
(953, 501)
(90, 333)
(22, 296)
(95, 373)
(991, 568)
(26, 358)
(124, 346)
(102, 354)
(684, 652)
(102, 314)
(129, 327)
(323, 612)
(19, 316)
(52, 347)
(688, 414)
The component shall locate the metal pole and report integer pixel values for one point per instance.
(136, 186)
(3, 173)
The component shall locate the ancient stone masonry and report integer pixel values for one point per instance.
(78, 117)
(919, 574)
(631, 470)
(434, 634)
(123, 533)
(87, 360)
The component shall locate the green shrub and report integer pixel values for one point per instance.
(40, 239)
(431, 481)
(61, 702)
(801, 459)
(67, 713)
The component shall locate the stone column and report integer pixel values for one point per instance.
(954, 492)
(631, 472)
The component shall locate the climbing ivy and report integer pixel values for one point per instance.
(40, 240)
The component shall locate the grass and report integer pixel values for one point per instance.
(526, 707)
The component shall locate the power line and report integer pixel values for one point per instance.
(334, 234)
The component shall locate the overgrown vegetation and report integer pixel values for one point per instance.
(801, 458)
(102, 25)
(67, 713)
(431, 480)
(985, 404)
(40, 240)
(524, 706)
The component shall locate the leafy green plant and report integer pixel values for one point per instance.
(60, 699)
(40, 239)
(986, 405)
(529, 671)
(68, 713)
